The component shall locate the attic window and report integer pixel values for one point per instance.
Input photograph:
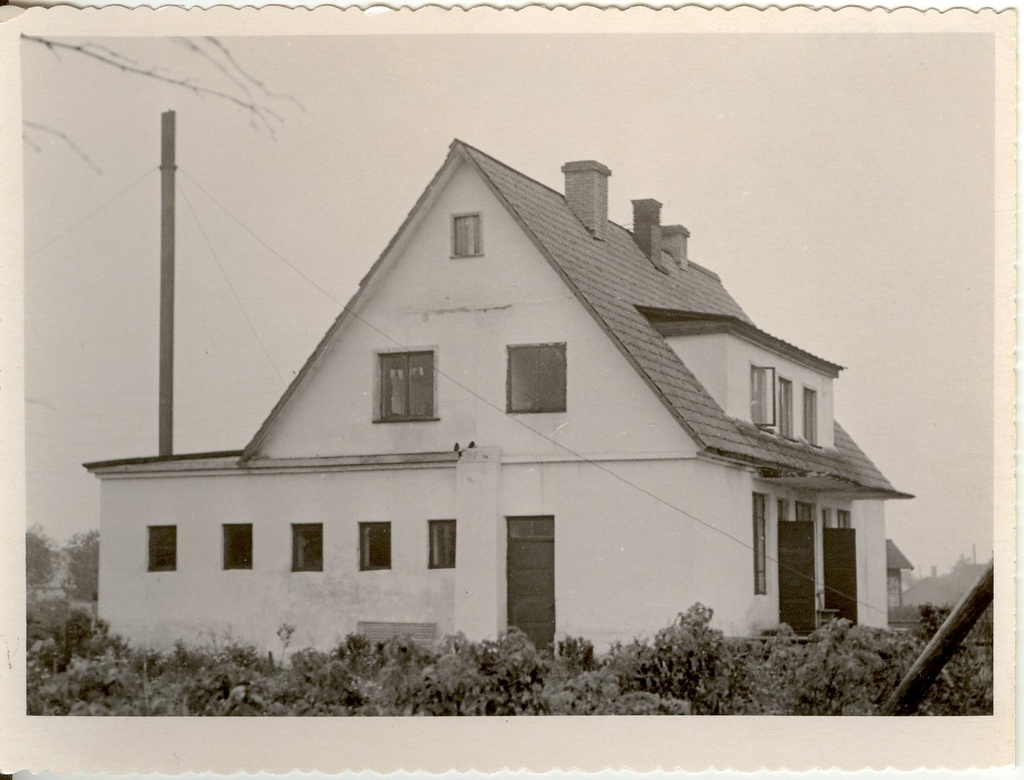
(406, 386)
(536, 378)
(810, 416)
(466, 238)
(762, 396)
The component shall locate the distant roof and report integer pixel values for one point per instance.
(894, 558)
(614, 280)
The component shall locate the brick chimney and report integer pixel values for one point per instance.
(586, 191)
(674, 240)
(647, 230)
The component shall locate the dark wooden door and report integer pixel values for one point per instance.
(839, 546)
(531, 577)
(796, 576)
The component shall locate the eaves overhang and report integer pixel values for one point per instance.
(669, 322)
(825, 482)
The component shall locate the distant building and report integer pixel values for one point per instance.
(895, 564)
(528, 415)
(947, 589)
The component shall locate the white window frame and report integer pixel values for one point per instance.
(479, 236)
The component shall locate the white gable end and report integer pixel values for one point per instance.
(467, 311)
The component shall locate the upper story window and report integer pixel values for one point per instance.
(762, 395)
(785, 408)
(163, 547)
(238, 546)
(810, 416)
(536, 378)
(467, 239)
(406, 386)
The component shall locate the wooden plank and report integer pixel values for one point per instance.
(944, 644)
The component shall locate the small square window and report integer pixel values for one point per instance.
(442, 544)
(762, 395)
(804, 512)
(536, 378)
(826, 518)
(308, 547)
(163, 547)
(374, 546)
(785, 408)
(406, 386)
(843, 518)
(466, 238)
(238, 546)
(810, 416)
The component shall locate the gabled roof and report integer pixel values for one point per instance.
(614, 280)
(894, 557)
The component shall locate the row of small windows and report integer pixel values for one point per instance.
(307, 546)
(804, 514)
(535, 382)
(769, 408)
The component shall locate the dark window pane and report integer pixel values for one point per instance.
(785, 407)
(238, 546)
(308, 547)
(760, 558)
(375, 546)
(442, 544)
(843, 518)
(421, 384)
(783, 506)
(163, 547)
(536, 378)
(804, 512)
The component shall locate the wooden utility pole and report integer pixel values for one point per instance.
(944, 644)
(167, 169)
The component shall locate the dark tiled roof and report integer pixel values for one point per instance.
(894, 557)
(613, 277)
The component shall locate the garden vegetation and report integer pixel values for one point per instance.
(77, 667)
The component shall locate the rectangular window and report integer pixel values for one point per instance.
(804, 512)
(308, 547)
(843, 518)
(536, 378)
(826, 518)
(238, 546)
(760, 557)
(374, 546)
(466, 238)
(783, 507)
(407, 386)
(442, 544)
(762, 395)
(785, 408)
(163, 547)
(810, 416)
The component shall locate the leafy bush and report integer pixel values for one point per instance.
(76, 667)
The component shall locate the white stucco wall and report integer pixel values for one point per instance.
(722, 363)
(468, 310)
(868, 517)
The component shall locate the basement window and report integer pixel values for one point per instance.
(308, 547)
(536, 379)
(406, 386)
(374, 546)
(762, 396)
(442, 544)
(466, 238)
(238, 546)
(163, 547)
(760, 554)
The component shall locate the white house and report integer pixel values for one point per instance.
(526, 416)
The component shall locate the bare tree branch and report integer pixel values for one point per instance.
(100, 54)
(252, 79)
(63, 137)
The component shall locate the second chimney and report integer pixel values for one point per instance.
(586, 191)
(674, 241)
(647, 230)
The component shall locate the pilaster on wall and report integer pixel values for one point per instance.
(480, 546)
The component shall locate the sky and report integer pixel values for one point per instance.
(841, 185)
